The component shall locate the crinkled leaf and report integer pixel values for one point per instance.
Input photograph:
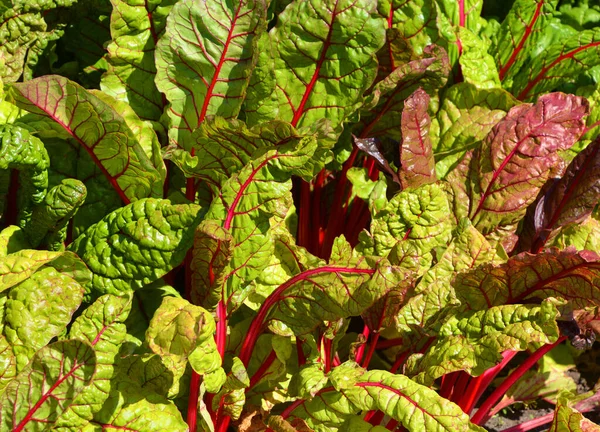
(137, 244)
(100, 130)
(518, 155)
(477, 66)
(22, 151)
(49, 221)
(245, 205)
(8, 363)
(204, 61)
(130, 408)
(468, 250)
(382, 112)
(308, 381)
(519, 34)
(568, 419)
(316, 63)
(136, 28)
(582, 236)
(466, 116)
(420, 217)
(58, 373)
(102, 326)
(40, 308)
(417, 407)
(554, 273)
(416, 156)
(474, 340)
(19, 266)
(232, 396)
(559, 63)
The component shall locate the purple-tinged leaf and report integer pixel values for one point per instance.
(518, 156)
(100, 130)
(519, 33)
(568, 274)
(47, 386)
(316, 63)
(204, 60)
(371, 147)
(560, 63)
(571, 199)
(416, 155)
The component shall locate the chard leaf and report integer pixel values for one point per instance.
(19, 266)
(244, 207)
(568, 274)
(136, 28)
(12, 240)
(382, 111)
(57, 374)
(518, 155)
(413, 22)
(568, 419)
(316, 63)
(468, 249)
(24, 152)
(519, 35)
(224, 147)
(420, 218)
(466, 116)
(130, 408)
(326, 412)
(137, 244)
(178, 328)
(572, 199)
(102, 326)
(477, 66)
(8, 363)
(473, 341)
(49, 221)
(559, 63)
(204, 61)
(40, 308)
(582, 236)
(232, 397)
(416, 155)
(98, 128)
(417, 407)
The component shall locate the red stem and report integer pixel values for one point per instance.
(221, 336)
(300, 352)
(460, 386)
(223, 424)
(361, 349)
(482, 382)
(531, 424)
(389, 343)
(448, 382)
(304, 217)
(316, 202)
(327, 353)
(399, 361)
(260, 373)
(372, 347)
(482, 415)
(192, 411)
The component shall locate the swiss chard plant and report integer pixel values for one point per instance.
(311, 215)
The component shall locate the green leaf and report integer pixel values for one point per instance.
(518, 156)
(102, 327)
(419, 217)
(478, 67)
(416, 156)
(40, 308)
(137, 244)
(8, 363)
(233, 395)
(382, 111)
(130, 408)
(582, 236)
(519, 34)
(466, 116)
(49, 221)
(244, 207)
(19, 266)
(12, 239)
(473, 341)
(417, 407)
(204, 61)
(58, 373)
(316, 63)
(565, 274)
(308, 381)
(24, 152)
(559, 63)
(568, 419)
(136, 28)
(468, 250)
(98, 128)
